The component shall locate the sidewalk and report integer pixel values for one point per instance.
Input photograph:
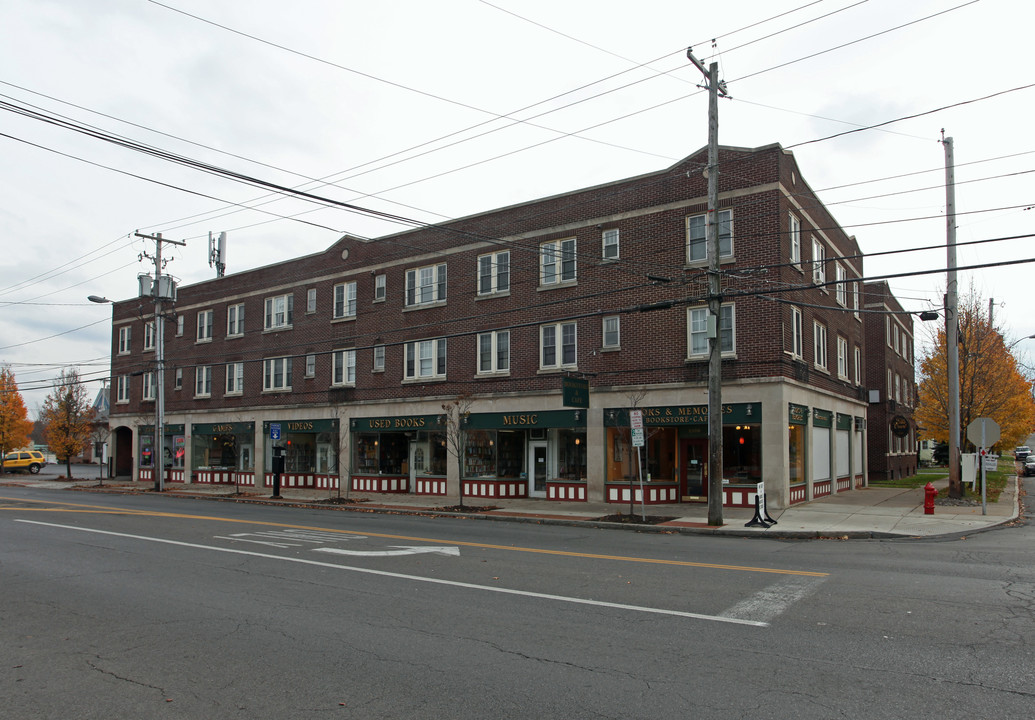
(864, 513)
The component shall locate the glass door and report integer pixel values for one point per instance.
(694, 462)
(537, 471)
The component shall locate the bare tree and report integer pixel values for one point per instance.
(454, 422)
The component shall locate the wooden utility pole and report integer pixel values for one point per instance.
(952, 365)
(714, 295)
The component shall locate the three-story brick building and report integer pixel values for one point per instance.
(347, 356)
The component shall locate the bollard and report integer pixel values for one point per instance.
(930, 493)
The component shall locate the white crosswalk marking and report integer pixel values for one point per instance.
(769, 603)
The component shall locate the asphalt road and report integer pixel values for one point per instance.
(144, 606)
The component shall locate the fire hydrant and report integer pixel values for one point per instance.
(930, 493)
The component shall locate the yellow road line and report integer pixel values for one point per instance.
(103, 510)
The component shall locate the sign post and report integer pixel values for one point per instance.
(983, 432)
(636, 428)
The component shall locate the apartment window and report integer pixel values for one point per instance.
(819, 337)
(380, 287)
(426, 285)
(425, 359)
(343, 370)
(310, 300)
(819, 269)
(310, 366)
(558, 345)
(841, 289)
(235, 320)
(280, 312)
(203, 381)
(697, 236)
(842, 357)
(797, 334)
(858, 365)
(345, 300)
(125, 335)
(276, 374)
(494, 273)
(149, 386)
(494, 352)
(612, 336)
(379, 358)
(697, 324)
(795, 233)
(610, 244)
(234, 378)
(178, 379)
(149, 336)
(557, 262)
(205, 326)
(179, 325)
(122, 389)
(895, 340)
(898, 387)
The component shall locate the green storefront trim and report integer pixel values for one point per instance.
(402, 423)
(301, 426)
(844, 422)
(169, 430)
(822, 418)
(672, 415)
(233, 428)
(797, 414)
(527, 420)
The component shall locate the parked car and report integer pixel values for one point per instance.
(1029, 466)
(1021, 452)
(31, 460)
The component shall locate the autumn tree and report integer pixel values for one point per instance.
(67, 415)
(991, 383)
(15, 425)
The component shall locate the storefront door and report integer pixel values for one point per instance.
(537, 471)
(694, 466)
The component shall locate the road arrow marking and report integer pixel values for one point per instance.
(399, 550)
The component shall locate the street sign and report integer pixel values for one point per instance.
(575, 392)
(983, 432)
(636, 419)
(637, 437)
(274, 431)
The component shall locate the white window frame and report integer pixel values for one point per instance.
(858, 365)
(343, 368)
(797, 333)
(819, 344)
(561, 341)
(379, 358)
(842, 357)
(558, 262)
(697, 329)
(819, 261)
(276, 374)
(609, 244)
(178, 379)
(149, 335)
(125, 340)
(795, 236)
(611, 337)
(855, 299)
(380, 287)
(203, 381)
(497, 352)
(180, 320)
(234, 378)
(494, 273)
(235, 320)
(841, 289)
(205, 319)
(697, 236)
(310, 365)
(426, 285)
(345, 300)
(279, 312)
(122, 389)
(424, 359)
(310, 300)
(148, 387)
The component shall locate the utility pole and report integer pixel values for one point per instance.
(715, 86)
(161, 288)
(952, 364)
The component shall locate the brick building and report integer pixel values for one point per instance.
(890, 377)
(350, 354)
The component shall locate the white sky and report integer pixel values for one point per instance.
(385, 82)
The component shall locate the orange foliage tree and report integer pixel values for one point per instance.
(68, 418)
(991, 382)
(15, 425)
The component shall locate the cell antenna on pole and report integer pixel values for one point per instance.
(217, 253)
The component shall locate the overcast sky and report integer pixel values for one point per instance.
(435, 110)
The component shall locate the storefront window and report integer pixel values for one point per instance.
(223, 447)
(660, 458)
(742, 453)
(571, 455)
(796, 452)
(511, 462)
(480, 454)
(174, 449)
(381, 453)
